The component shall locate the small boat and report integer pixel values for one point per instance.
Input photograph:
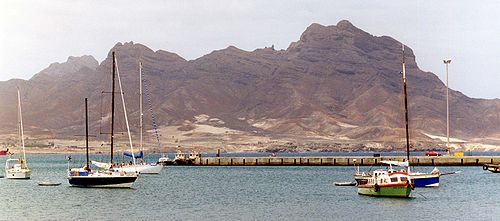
(18, 168)
(180, 158)
(345, 183)
(431, 179)
(48, 183)
(418, 179)
(386, 184)
(494, 168)
(4, 152)
(193, 156)
(164, 160)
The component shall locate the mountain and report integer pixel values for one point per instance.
(336, 84)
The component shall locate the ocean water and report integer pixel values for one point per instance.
(243, 193)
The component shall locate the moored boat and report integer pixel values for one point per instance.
(4, 152)
(494, 168)
(18, 168)
(345, 183)
(84, 177)
(425, 179)
(164, 160)
(180, 158)
(142, 167)
(385, 184)
(418, 179)
(107, 178)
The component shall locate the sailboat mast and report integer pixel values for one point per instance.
(140, 105)
(406, 108)
(87, 135)
(20, 114)
(125, 114)
(112, 107)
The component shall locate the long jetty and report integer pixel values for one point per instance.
(345, 161)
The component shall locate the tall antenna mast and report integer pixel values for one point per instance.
(447, 62)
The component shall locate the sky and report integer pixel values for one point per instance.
(36, 33)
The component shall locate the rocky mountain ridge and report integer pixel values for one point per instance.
(336, 83)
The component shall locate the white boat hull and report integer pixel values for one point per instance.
(17, 174)
(140, 168)
(152, 169)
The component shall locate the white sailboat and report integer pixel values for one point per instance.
(142, 167)
(18, 168)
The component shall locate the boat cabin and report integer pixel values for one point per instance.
(386, 177)
(14, 164)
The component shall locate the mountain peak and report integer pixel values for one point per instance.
(139, 51)
(72, 65)
(345, 24)
(130, 48)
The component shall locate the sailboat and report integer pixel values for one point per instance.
(390, 183)
(418, 179)
(143, 167)
(107, 177)
(18, 168)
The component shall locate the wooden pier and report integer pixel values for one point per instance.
(345, 161)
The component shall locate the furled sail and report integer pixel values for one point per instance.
(137, 155)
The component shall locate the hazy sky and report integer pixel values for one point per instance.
(35, 33)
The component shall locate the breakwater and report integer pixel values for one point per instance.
(345, 161)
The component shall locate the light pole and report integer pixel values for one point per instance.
(446, 63)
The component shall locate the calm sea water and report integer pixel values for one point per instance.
(243, 193)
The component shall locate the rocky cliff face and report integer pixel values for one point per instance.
(335, 83)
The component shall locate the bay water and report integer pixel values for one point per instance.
(243, 193)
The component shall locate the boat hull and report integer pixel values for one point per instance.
(141, 168)
(152, 169)
(385, 191)
(102, 181)
(420, 180)
(17, 174)
(425, 180)
(494, 168)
